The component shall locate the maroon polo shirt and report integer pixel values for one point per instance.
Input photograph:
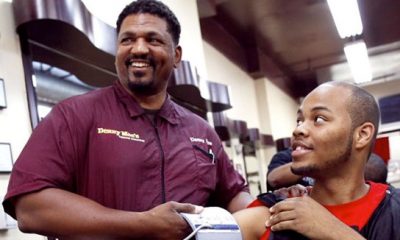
(102, 145)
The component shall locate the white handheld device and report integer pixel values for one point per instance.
(213, 223)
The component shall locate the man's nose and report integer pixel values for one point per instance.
(300, 130)
(140, 47)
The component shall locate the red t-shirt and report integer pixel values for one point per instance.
(354, 214)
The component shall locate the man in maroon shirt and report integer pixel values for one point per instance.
(123, 161)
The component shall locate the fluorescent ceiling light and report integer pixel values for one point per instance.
(357, 57)
(346, 16)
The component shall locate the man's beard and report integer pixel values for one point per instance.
(142, 88)
(138, 87)
(314, 169)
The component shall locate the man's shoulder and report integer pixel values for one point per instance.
(385, 221)
(395, 198)
(391, 199)
(188, 116)
(95, 95)
(282, 157)
(84, 106)
(87, 101)
(395, 190)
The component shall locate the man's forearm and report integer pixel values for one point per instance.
(54, 212)
(282, 176)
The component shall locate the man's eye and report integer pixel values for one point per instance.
(299, 122)
(126, 40)
(154, 40)
(319, 119)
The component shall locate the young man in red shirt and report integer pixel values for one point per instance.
(336, 128)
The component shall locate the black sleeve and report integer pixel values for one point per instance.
(280, 158)
(385, 221)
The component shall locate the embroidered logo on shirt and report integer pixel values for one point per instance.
(121, 134)
(201, 140)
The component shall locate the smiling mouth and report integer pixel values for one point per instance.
(139, 64)
(139, 68)
(299, 149)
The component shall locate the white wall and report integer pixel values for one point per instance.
(283, 111)
(258, 102)
(191, 40)
(242, 87)
(277, 112)
(243, 100)
(14, 120)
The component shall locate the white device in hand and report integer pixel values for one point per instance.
(213, 223)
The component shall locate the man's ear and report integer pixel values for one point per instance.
(178, 56)
(363, 135)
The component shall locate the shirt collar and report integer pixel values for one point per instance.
(168, 110)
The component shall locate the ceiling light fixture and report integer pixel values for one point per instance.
(346, 16)
(357, 57)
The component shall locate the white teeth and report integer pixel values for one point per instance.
(299, 148)
(139, 64)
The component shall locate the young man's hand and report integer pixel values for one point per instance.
(307, 217)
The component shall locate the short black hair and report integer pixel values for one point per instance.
(153, 7)
(362, 106)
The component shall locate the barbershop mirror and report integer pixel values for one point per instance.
(53, 85)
